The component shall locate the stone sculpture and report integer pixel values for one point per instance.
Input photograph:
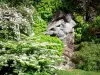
(62, 26)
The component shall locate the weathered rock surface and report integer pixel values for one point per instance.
(62, 26)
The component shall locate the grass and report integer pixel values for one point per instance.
(76, 72)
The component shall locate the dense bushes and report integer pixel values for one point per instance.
(15, 3)
(86, 31)
(40, 26)
(35, 53)
(45, 8)
(27, 56)
(13, 24)
(87, 56)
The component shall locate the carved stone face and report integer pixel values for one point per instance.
(60, 28)
(55, 28)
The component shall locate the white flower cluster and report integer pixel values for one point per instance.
(13, 22)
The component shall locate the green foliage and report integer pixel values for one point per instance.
(76, 72)
(46, 7)
(34, 54)
(39, 30)
(15, 3)
(13, 24)
(28, 57)
(80, 29)
(67, 5)
(96, 23)
(88, 56)
(83, 30)
(37, 54)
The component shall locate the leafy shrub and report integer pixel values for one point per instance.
(45, 8)
(27, 57)
(33, 54)
(88, 56)
(15, 3)
(13, 24)
(40, 26)
(86, 31)
(80, 29)
(75, 72)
